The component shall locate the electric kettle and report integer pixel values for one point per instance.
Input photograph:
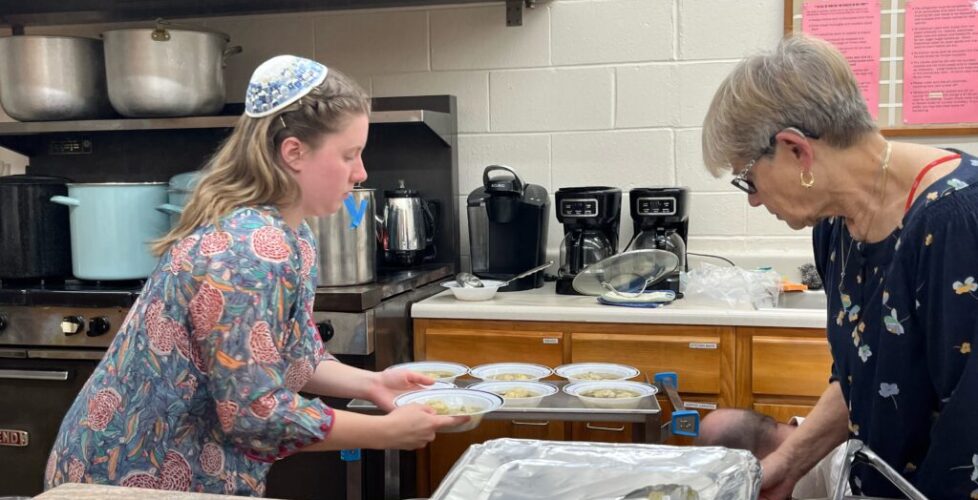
(407, 228)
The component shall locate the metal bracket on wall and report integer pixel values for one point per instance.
(514, 11)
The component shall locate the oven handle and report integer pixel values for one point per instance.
(58, 376)
(69, 355)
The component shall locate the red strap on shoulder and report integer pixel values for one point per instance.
(922, 173)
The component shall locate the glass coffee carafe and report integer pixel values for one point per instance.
(668, 240)
(582, 248)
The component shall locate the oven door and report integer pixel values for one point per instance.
(37, 386)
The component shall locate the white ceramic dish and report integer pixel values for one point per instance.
(478, 403)
(539, 390)
(485, 292)
(578, 389)
(511, 372)
(430, 368)
(440, 385)
(580, 372)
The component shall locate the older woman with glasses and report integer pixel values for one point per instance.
(896, 244)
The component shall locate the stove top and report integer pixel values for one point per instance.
(79, 293)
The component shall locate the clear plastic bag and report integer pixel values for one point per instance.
(732, 286)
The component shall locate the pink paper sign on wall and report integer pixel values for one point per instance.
(853, 27)
(940, 70)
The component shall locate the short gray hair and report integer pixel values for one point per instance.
(804, 83)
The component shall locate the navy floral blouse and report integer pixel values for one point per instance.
(903, 316)
(199, 389)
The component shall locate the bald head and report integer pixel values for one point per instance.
(742, 430)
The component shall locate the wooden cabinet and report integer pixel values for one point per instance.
(692, 352)
(478, 346)
(777, 371)
(795, 366)
(786, 372)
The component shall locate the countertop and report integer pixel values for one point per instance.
(73, 491)
(543, 304)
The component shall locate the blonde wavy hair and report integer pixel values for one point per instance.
(245, 171)
(805, 82)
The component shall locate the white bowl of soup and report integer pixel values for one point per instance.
(518, 394)
(611, 394)
(511, 372)
(441, 371)
(454, 402)
(594, 372)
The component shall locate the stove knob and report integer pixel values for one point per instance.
(99, 326)
(3, 322)
(325, 330)
(71, 325)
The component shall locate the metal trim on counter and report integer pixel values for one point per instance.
(339, 298)
(358, 298)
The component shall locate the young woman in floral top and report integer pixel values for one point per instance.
(199, 391)
(895, 234)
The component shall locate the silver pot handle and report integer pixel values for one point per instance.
(228, 52)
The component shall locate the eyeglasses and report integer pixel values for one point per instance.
(741, 182)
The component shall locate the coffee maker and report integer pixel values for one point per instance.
(590, 216)
(660, 218)
(508, 228)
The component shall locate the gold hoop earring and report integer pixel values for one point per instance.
(810, 181)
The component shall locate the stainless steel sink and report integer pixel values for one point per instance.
(803, 300)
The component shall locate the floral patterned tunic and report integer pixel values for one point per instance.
(903, 317)
(198, 391)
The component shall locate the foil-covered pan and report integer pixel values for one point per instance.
(522, 469)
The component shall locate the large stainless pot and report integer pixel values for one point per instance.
(52, 78)
(347, 242)
(166, 71)
(112, 225)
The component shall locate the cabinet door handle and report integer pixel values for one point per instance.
(532, 424)
(593, 427)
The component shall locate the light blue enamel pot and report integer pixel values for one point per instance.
(112, 225)
(181, 185)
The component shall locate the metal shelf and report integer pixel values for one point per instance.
(19, 13)
(439, 123)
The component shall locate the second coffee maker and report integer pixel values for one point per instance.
(590, 216)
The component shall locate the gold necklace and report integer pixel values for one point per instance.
(844, 256)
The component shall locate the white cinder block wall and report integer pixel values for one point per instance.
(586, 92)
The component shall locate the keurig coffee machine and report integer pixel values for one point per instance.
(661, 221)
(508, 228)
(590, 216)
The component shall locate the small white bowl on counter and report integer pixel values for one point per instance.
(518, 394)
(611, 394)
(511, 372)
(441, 371)
(472, 294)
(579, 372)
(469, 402)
